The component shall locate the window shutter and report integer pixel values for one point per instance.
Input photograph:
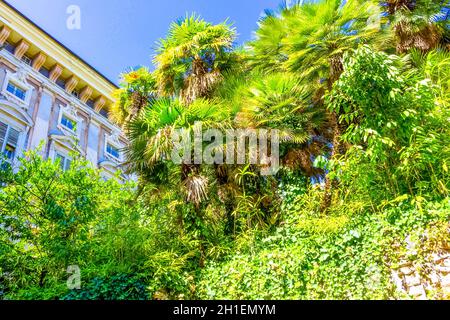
(61, 159)
(13, 137)
(3, 129)
(68, 163)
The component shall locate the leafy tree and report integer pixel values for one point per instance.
(396, 122)
(435, 65)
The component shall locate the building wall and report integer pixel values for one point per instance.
(38, 118)
(53, 81)
(39, 132)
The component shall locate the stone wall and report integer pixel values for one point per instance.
(423, 280)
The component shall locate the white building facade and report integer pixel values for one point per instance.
(51, 98)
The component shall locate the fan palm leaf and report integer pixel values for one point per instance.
(191, 59)
(137, 89)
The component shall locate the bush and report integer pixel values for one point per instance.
(353, 262)
(117, 287)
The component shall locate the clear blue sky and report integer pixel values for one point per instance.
(117, 34)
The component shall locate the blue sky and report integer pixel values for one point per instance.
(117, 34)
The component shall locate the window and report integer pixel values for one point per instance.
(64, 161)
(104, 113)
(68, 123)
(16, 88)
(27, 60)
(16, 91)
(76, 94)
(45, 72)
(9, 47)
(9, 138)
(90, 103)
(112, 151)
(61, 83)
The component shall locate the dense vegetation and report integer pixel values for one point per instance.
(360, 93)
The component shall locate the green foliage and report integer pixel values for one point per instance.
(137, 89)
(419, 25)
(370, 124)
(278, 101)
(191, 59)
(396, 125)
(117, 287)
(52, 219)
(350, 262)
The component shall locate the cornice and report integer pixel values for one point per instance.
(52, 48)
(54, 89)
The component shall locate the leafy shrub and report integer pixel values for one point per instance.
(116, 287)
(352, 263)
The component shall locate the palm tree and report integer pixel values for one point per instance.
(151, 149)
(151, 143)
(310, 40)
(417, 24)
(191, 59)
(267, 50)
(279, 101)
(137, 89)
(320, 33)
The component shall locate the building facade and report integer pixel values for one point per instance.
(51, 98)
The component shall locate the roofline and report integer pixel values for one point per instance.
(61, 44)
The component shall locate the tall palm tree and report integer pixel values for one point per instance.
(137, 89)
(151, 149)
(151, 143)
(310, 41)
(319, 34)
(191, 59)
(279, 101)
(417, 24)
(267, 50)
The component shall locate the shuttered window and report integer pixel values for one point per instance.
(64, 161)
(3, 131)
(9, 139)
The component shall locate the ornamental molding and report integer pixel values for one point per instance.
(53, 89)
(66, 142)
(21, 75)
(70, 111)
(15, 112)
(114, 138)
(18, 78)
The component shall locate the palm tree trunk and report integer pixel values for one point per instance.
(330, 183)
(407, 36)
(424, 40)
(336, 69)
(139, 101)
